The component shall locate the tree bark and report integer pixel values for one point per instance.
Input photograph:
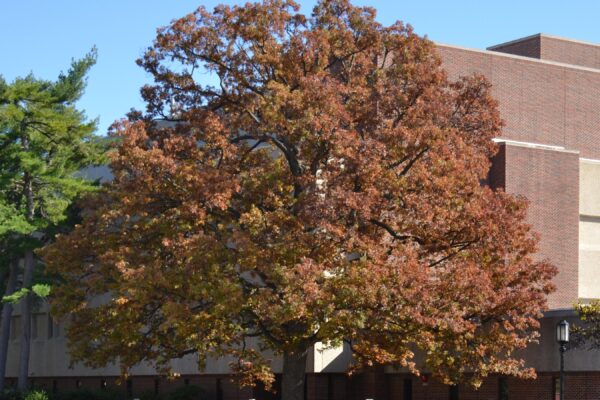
(5, 319)
(26, 322)
(294, 375)
(29, 265)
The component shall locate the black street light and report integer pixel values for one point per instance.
(562, 337)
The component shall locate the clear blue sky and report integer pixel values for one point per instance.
(41, 36)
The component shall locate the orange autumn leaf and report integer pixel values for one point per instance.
(328, 190)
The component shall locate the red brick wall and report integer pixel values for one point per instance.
(570, 52)
(431, 390)
(539, 102)
(539, 389)
(584, 386)
(526, 47)
(545, 104)
(316, 386)
(578, 386)
(489, 390)
(553, 49)
(550, 181)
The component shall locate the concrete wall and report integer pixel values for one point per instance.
(589, 229)
(49, 355)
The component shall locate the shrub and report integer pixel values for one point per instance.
(14, 394)
(11, 394)
(187, 392)
(89, 394)
(36, 395)
(149, 395)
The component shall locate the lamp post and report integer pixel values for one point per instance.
(562, 337)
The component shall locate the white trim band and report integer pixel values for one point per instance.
(531, 145)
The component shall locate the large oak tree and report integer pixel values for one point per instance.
(327, 188)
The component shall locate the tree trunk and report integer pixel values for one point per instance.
(5, 319)
(29, 265)
(294, 375)
(26, 322)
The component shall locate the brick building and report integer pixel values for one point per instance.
(549, 94)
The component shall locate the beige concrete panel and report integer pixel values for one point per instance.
(589, 274)
(331, 359)
(589, 188)
(50, 357)
(589, 229)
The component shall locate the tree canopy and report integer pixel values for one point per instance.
(328, 188)
(44, 141)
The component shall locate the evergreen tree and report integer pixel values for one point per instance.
(44, 141)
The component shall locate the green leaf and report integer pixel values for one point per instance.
(41, 290)
(16, 296)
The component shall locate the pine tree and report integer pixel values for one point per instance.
(44, 141)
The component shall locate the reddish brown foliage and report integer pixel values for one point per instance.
(328, 190)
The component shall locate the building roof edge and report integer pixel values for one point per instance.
(532, 145)
(516, 57)
(515, 41)
(540, 35)
(564, 39)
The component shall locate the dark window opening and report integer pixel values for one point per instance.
(502, 388)
(260, 393)
(407, 389)
(50, 327)
(186, 381)
(129, 388)
(454, 392)
(219, 389)
(156, 385)
(103, 384)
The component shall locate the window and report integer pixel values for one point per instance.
(34, 326)
(407, 389)
(453, 395)
(53, 327)
(502, 388)
(39, 326)
(556, 388)
(15, 327)
(56, 328)
(219, 389)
